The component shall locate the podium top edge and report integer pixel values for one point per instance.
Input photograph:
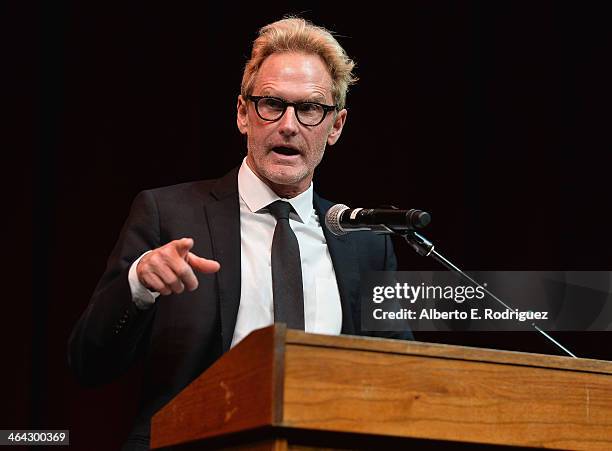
(446, 351)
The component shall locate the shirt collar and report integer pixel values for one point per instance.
(257, 195)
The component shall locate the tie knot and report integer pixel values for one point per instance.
(280, 209)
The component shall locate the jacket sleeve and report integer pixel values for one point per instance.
(112, 332)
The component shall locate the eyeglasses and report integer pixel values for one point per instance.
(271, 109)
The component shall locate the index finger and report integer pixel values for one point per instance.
(202, 264)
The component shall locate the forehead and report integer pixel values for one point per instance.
(293, 75)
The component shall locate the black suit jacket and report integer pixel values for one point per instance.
(181, 335)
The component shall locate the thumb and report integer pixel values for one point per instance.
(183, 246)
(202, 264)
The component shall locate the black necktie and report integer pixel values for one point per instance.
(287, 286)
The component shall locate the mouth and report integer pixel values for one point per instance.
(286, 151)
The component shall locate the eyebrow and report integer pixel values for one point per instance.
(318, 98)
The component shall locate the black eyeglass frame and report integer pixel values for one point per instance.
(326, 109)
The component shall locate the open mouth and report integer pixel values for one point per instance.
(288, 151)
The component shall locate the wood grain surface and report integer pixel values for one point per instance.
(283, 389)
(447, 392)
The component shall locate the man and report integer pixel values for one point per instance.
(198, 266)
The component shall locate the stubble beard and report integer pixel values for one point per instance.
(278, 174)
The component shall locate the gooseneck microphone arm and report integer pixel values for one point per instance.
(425, 248)
(341, 219)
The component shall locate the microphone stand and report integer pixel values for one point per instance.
(425, 248)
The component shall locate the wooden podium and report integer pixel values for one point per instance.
(283, 389)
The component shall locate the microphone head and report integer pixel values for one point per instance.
(332, 219)
(418, 219)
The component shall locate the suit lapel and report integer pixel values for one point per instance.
(344, 259)
(223, 217)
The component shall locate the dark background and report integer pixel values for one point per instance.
(493, 116)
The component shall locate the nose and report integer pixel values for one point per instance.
(288, 125)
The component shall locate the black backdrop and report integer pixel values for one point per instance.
(493, 116)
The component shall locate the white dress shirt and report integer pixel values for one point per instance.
(322, 309)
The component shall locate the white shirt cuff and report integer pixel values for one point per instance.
(142, 297)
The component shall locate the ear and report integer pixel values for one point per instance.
(242, 115)
(337, 126)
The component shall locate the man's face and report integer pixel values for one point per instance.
(285, 153)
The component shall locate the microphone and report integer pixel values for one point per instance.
(341, 219)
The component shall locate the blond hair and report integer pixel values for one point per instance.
(294, 34)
